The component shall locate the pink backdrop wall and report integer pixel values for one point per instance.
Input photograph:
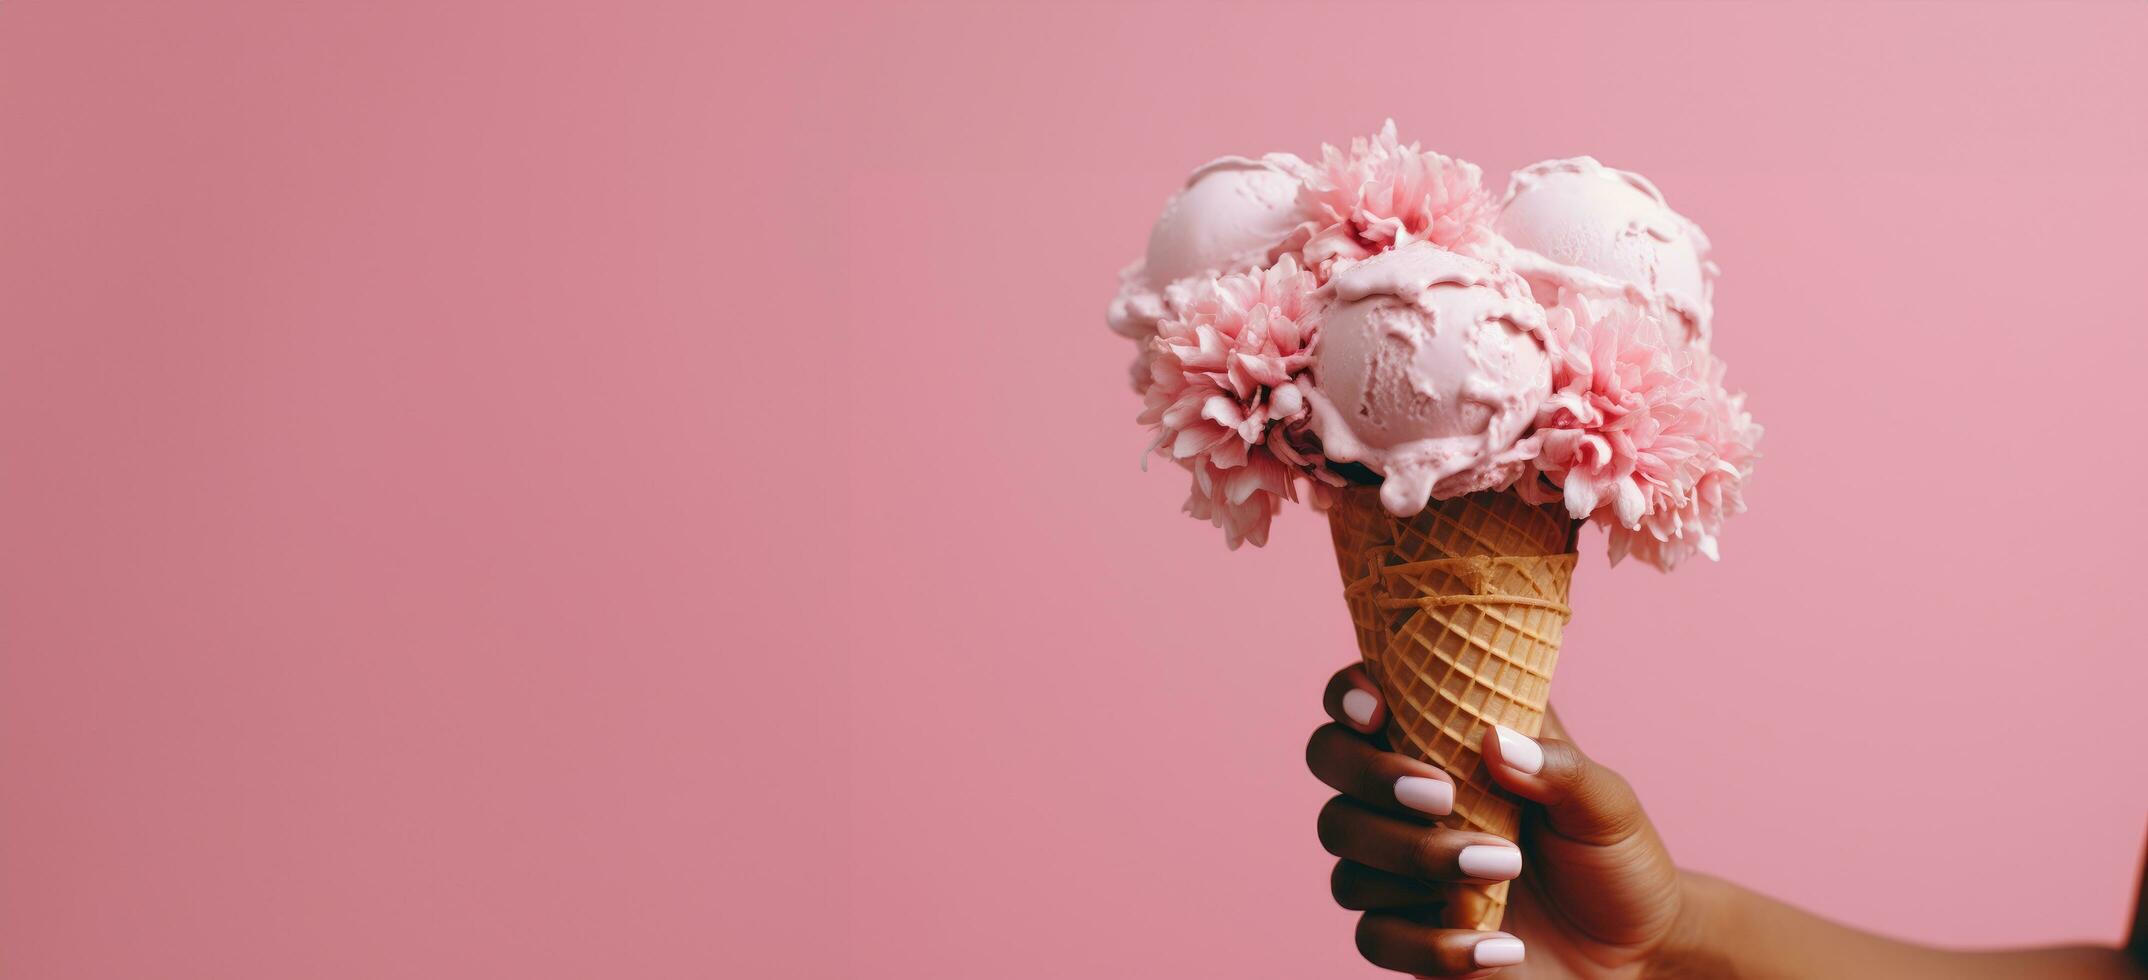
(543, 490)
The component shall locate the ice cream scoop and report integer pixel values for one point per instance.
(1588, 218)
(1429, 368)
(1231, 215)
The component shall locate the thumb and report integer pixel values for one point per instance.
(1583, 801)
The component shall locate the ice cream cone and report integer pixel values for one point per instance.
(1459, 612)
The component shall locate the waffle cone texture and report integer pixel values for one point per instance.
(1459, 612)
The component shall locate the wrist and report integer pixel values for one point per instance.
(1697, 945)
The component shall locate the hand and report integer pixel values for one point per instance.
(1595, 894)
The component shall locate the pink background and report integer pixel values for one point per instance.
(541, 490)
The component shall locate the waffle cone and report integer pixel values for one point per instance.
(1459, 612)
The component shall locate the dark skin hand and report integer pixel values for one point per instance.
(1597, 895)
(1601, 897)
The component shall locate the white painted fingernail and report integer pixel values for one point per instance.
(1497, 951)
(1433, 796)
(1519, 751)
(1490, 861)
(1359, 704)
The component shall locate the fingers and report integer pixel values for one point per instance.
(1405, 928)
(1355, 832)
(1356, 768)
(1352, 699)
(1582, 801)
(1397, 941)
(1362, 889)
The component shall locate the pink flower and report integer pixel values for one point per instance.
(1241, 500)
(1224, 397)
(1666, 538)
(1136, 312)
(1382, 195)
(1639, 433)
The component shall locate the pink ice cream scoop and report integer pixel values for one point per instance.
(1429, 368)
(1588, 218)
(1232, 215)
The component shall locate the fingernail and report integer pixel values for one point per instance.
(1433, 796)
(1359, 704)
(1490, 861)
(1497, 951)
(1519, 751)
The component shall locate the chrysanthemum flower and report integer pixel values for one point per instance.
(1382, 194)
(1224, 399)
(1639, 433)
